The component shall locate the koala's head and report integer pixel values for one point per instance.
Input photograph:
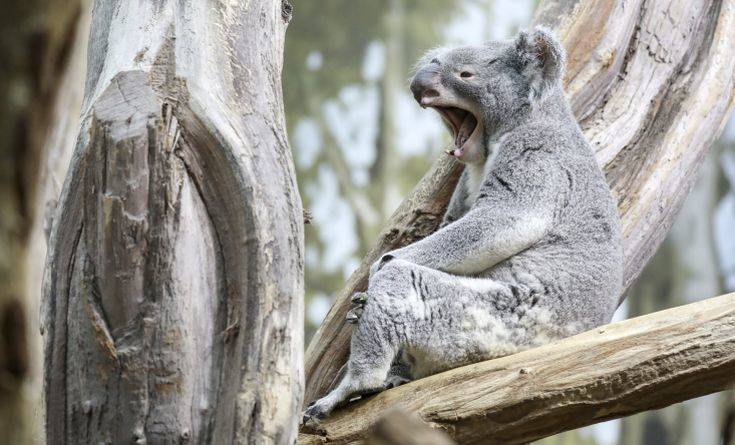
(479, 90)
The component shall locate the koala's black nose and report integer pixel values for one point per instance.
(425, 84)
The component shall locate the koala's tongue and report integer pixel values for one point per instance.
(465, 131)
(458, 152)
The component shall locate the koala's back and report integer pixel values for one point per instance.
(576, 268)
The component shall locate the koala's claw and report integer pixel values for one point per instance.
(313, 414)
(359, 298)
(354, 315)
(395, 380)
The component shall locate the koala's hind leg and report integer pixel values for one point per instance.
(428, 311)
(375, 343)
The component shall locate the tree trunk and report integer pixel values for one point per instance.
(620, 369)
(651, 82)
(174, 282)
(42, 53)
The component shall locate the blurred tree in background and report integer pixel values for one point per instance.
(42, 64)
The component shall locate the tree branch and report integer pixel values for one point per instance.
(620, 369)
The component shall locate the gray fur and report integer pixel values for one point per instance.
(530, 247)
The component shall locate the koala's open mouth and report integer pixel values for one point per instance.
(462, 124)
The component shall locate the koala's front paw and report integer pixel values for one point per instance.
(354, 314)
(314, 414)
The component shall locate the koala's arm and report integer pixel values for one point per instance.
(515, 210)
(457, 206)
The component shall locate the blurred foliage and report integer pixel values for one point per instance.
(340, 32)
(337, 34)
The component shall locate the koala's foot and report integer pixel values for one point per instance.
(395, 380)
(315, 413)
(320, 409)
(353, 316)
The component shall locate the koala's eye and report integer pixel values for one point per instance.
(435, 61)
(466, 74)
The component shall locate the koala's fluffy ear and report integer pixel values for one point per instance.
(541, 59)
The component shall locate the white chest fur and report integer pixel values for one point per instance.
(476, 173)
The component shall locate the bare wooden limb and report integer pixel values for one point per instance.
(174, 281)
(620, 369)
(652, 83)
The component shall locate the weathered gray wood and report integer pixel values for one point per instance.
(617, 370)
(173, 290)
(652, 83)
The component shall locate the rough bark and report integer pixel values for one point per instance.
(651, 83)
(635, 365)
(174, 282)
(41, 81)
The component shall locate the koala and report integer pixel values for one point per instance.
(529, 250)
